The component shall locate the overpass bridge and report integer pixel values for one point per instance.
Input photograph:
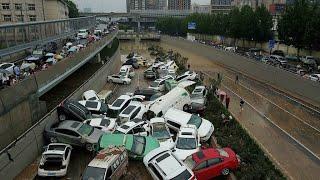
(136, 14)
(21, 36)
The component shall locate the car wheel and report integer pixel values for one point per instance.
(53, 140)
(62, 117)
(90, 147)
(225, 172)
(186, 107)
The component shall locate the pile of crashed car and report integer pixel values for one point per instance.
(159, 125)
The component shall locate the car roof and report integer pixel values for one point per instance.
(89, 94)
(157, 120)
(67, 124)
(187, 132)
(59, 148)
(169, 165)
(173, 113)
(106, 156)
(89, 103)
(124, 97)
(97, 121)
(204, 154)
(128, 110)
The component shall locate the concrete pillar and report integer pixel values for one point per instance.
(139, 25)
(96, 59)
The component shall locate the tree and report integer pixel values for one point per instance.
(73, 10)
(293, 24)
(265, 24)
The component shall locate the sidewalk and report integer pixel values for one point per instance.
(293, 161)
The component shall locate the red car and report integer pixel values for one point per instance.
(209, 163)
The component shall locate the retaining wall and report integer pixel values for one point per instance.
(27, 148)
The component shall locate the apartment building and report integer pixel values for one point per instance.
(14, 11)
(179, 4)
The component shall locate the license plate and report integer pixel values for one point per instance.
(51, 174)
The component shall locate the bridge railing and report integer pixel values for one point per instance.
(55, 72)
(21, 36)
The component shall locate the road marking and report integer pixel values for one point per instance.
(314, 128)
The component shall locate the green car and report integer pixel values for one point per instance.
(137, 146)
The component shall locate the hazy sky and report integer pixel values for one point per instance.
(113, 5)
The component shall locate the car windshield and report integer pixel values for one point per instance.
(196, 96)
(139, 144)
(103, 108)
(154, 84)
(154, 97)
(128, 110)
(186, 143)
(195, 120)
(223, 153)
(112, 113)
(91, 104)
(159, 131)
(123, 73)
(85, 130)
(82, 31)
(118, 102)
(94, 173)
(184, 175)
(105, 122)
(190, 162)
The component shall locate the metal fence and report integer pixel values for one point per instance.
(21, 36)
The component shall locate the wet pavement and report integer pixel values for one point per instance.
(270, 111)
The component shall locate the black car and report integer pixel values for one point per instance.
(149, 94)
(133, 62)
(73, 110)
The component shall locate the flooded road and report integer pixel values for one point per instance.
(286, 130)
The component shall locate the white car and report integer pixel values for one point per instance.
(163, 164)
(159, 84)
(176, 119)
(187, 142)
(7, 66)
(107, 125)
(90, 95)
(134, 127)
(118, 105)
(133, 110)
(157, 64)
(55, 160)
(96, 108)
(83, 33)
(314, 77)
(232, 49)
(189, 75)
(198, 98)
(127, 71)
(159, 130)
(119, 79)
(97, 32)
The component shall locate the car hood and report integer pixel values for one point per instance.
(168, 143)
(95, 136)
(205, 128)
(197, 100)
(183, 154)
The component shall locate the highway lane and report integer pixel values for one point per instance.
(289, 83)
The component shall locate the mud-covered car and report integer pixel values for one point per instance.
(73, 133)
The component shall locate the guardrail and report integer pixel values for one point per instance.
(52, 76)
(20, 36)
(26, 148)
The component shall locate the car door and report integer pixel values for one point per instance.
(200, 170)
(68, 136)
(67, 155)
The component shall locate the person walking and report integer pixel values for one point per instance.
(237, 79)
(241, 104)
(227, 102)
(16, 71)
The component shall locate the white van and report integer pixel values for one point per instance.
(176, 119)
(127, 71)
(110, 163)
(178, 98)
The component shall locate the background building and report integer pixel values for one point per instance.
(13, 11)
(179, 4)
(136, 5)
(162, 4)
(197, 8)
(221, 6)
